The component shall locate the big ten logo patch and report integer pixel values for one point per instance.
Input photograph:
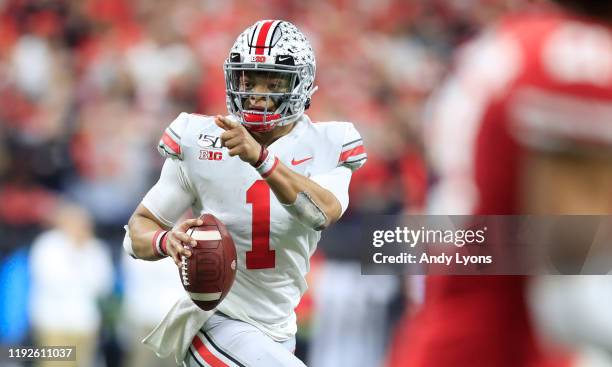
(210, 155)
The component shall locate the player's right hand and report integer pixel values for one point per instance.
(178, 242)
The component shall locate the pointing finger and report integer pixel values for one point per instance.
(227, 123)
(220, 123)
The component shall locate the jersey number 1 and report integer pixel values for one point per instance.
(260, 256)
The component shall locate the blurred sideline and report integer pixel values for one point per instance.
(87, 87)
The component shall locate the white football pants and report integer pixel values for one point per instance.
(227, 342)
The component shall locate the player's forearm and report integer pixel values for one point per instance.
(303, 198)
(142, 231)
(286, 185)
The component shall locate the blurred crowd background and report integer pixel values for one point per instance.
(86, 89)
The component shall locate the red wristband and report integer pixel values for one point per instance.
(263, 154)
(159, 243)
(164, 244)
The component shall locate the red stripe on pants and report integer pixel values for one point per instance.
(206, 354)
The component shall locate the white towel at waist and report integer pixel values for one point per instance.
(177, 329)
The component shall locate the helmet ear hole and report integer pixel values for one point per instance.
(307, 104)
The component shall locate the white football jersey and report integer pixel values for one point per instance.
(273, 248)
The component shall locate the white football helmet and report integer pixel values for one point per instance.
(271, 61)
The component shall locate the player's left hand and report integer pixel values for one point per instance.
(238, 140)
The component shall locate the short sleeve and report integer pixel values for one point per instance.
(353, 154)
(170, 143)
(337, 182)
(171, 196)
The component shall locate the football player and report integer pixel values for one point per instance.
(524, 125)
(272, 176)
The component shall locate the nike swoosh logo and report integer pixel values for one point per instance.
(283, 58)
(295, 163)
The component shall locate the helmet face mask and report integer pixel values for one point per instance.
(269, 82)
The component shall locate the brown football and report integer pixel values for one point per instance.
(208, 274)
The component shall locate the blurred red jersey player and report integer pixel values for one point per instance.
(523, 125)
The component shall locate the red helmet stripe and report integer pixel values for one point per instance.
(273, 28)
(262, 37)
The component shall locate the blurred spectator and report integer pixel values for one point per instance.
(86, 88)
(112, 157)
(161, 62)
(351, 323)
(71, 271)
